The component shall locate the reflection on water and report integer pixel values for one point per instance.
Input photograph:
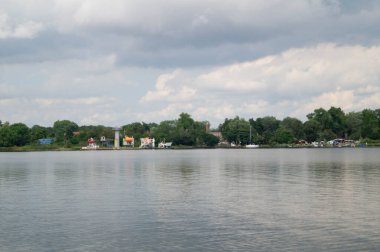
(189, 200)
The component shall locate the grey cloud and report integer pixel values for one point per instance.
(173, 33)
(67, 59)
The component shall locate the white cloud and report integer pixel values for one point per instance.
(166, 91)
(344, 99)
(205, 21)
(307, 71)
(163, 91)
(26, 30)
(6, 90)
(169, 112)
(45, 111)
(82, 90)
(85, 101)
(291, 83)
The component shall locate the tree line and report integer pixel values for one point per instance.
(182, 131)
(321, 125)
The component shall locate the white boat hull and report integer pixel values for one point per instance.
(165, 145)
(251, 146)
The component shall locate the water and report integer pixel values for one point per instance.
(191, 200)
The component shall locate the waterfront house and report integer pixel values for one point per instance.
(46, 140)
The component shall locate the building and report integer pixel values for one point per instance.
(218, 134)
(46, 140)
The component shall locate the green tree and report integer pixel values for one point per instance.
(322, 117)
(295, 126)
(63, 130)
(354, 124)
(327, 135)
(20, 134)
(283, 136)
(209, 139)
(185, 121)
(186, 131)
(5, 136)
(38, 132)
(137, 129)
(370, 127)
(338, 121)
(184, 137)
(236, 130)
(377, 112)
(165, 131)
(311, 129)
(266, 127)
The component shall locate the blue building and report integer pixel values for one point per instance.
(46, 140)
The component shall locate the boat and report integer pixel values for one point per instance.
(147, 143)
(251, 145)
(164, 145)
(129, 141)
(91, 145)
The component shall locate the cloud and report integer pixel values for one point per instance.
(162, 90)
(294, 82)
(194, 33)
(44, 111)
(63, 78)
(169, 112)
(212, 59)
(77, 89)
(26, 30)
(166, 92)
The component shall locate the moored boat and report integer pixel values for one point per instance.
(251, 145)
(164, 145)
(91, 145)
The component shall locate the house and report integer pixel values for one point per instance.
(46, 140)
(218, 134)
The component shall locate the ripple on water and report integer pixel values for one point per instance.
(191, 200)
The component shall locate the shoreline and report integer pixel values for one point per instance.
(76, 148)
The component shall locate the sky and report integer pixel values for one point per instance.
(116, 62)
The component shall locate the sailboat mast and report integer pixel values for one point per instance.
(250, 134)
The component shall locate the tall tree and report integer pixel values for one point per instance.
(165, 131)
(311, 129)
(236, 130)
(338, 121)
(137, 129)
(295, 126)
(267, 126)
(209, 139)
(20, 134)
(283, 136)
(354, 124)
(322, 117)
(5, 136)
(186, 130)
(370, 127)
(63, 130)
(38, 132)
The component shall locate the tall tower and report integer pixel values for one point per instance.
(117, 138)
(207, 126)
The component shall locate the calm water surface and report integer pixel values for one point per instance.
(191, 200)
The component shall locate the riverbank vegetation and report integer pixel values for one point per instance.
(321, 125)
